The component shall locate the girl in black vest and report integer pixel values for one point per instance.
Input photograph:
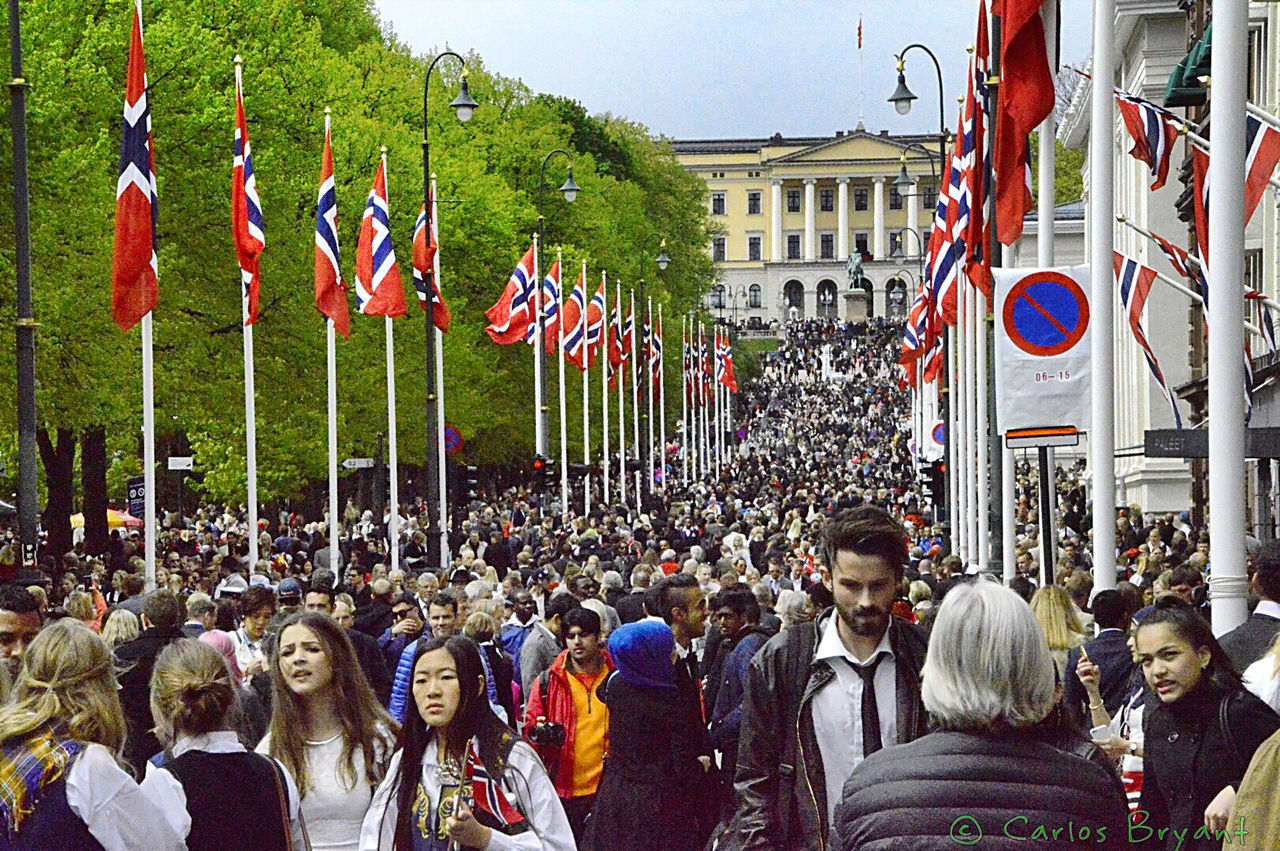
(217, 793)
(460, 778)
(61, 784)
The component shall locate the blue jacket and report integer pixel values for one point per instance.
(726, 717)
(400, 682)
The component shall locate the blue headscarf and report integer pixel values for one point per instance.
(642, 653)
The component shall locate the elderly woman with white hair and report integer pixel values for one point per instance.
(987, 681)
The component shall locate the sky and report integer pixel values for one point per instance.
(714, 69)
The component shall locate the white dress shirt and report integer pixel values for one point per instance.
(113, 808)
(837, 709)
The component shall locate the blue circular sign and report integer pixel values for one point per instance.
(940, 434)
(1046, 313)
(452, 439)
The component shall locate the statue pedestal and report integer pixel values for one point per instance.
(855, 307)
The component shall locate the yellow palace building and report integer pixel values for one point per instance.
(816, 226)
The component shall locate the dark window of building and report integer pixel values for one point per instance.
(793, 246)
(753, 248)
(717, 203)
(793, 200)
(753, 296)
(717, 249)
(826, 200)
(895, 198)
(860, 196)
(861, 243)
(753, 203)
(827, 245)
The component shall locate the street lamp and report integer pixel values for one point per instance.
(735, 295)
(569, 189)
(464, 106)
(902, 96)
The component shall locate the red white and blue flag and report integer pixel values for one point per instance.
(550, 311)
(379, 289)
(1153, 130)
(426, 245)
(488, 794)
(575, 332)
(595, 325)
(1135, 286)
(509, 319)
(616, 357)
(246, 212)
(331, 294)
(135, 289)
(1187, 267)
(977, 106)
(1263, 316)
(655, 354)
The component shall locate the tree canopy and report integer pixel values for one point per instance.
(301, 56)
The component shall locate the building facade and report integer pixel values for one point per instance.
(817, 226)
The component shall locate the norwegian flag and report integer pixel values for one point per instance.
(977, 107)
(550, 311)
(616, 357)
(1262, 152)
(1153, 130)
(1135, 286)
(646, 336)
(1200, 202)
(686, 362)
(730, 378)
(628, 335)
(379, 289)
(509, 319)
(488, 794)
(426, 246)
(246, 212)
(595, 325)
(1026, 98)
(576, 332)
(331, 293)
(943, 253)
(135, 289)
(1263, 315)
(1187, 267)
(655, 354)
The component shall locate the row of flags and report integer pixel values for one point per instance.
(379, 290)
(959, 231)
(514, 319)
(699, 372)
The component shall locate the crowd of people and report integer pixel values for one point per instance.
(780, 655)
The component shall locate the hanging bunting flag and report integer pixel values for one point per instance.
(1135, 286)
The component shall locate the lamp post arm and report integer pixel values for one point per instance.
(542, 172)
(929, 155)
(942, 119)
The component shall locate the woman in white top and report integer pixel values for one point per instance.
(461, 778)
(215, 793)
(1263, 676)
(327, 728)
(60, 739)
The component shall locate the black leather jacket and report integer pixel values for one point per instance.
(780, 784)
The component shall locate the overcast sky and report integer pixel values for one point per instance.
(722, 68)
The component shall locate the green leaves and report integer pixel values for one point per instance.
(299, 57)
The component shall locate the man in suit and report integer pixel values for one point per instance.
(1250, 641)
(1110, 652)
(201, 615)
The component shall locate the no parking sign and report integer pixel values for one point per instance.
(1042, 347)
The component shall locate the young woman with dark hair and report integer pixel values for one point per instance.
(326, 727)
(215, 793)
(1200, 726)
(460, 778)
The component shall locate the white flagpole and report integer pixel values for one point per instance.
(684, 400)
(393, 467)
(622, 415)
(715, 389)
(635, 392)
(539, 437)
(662, 404)
(648, 378)
(1046, 215)
(960, 388)
(604, 397)
(953, 440)
(707, 457)
(250, 422)
(564, 415)
(1229, 582)
(331, 369)
(971, 399)
(439, 344)
(984, 483)
(1101, 238)
(149, 449)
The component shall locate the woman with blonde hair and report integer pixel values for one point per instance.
(210, 785)
(122, 626)
(327, 727)
(79, 606)
(60, 742)
(1057, 618)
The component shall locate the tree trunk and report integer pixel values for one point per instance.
(59, 480)
(93, 481)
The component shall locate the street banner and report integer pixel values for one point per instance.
(1042, 348)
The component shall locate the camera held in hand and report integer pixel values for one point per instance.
(547, 733)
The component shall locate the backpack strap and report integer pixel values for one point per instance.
(1224, 722)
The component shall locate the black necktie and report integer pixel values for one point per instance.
(870, 712)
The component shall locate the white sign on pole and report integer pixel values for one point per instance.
(181, 462)
(357, 463)
(1042, 347)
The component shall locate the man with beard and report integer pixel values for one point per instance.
(19, 623)
(822, 696)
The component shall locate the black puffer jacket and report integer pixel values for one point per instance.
(991, 791)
